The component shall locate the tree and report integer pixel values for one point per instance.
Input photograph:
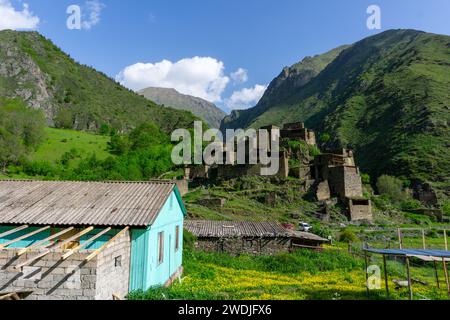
(391, 187)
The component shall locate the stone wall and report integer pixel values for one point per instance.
(360, 209)
(345, 182)
(237, 246)
(50, 278)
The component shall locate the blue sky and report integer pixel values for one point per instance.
(258, 36)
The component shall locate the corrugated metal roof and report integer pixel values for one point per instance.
(233, 229)
(82, 203)
(307, 236)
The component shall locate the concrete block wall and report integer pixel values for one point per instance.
(50, 278)
(113, 269)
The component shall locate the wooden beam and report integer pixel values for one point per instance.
(40, 243)
(29, 261)
(408, 272)
(23, 237)
(58, 246)
(386, 280)
(75, 237)
(7, 233)
(96, 252)
(446, 275)
(85, 244)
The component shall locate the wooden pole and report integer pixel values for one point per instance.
(408, 271)
(424, 245)
(445, 240)
(436, 274)
(446, 275)
(386, 280)
(399, 233)
(366, 259)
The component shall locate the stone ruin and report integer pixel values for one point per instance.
(337, 175)
(334, 174)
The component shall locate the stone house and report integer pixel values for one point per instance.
(337, 175)
(88, 240)
(248, 237)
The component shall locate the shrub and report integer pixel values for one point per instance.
(325, 137)
(365, 178)
(347, 236)
(188, 240)
(410, 204)
(392, 187)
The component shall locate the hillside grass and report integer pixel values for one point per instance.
(60, 141)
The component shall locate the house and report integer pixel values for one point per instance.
(89, 240)
(248, 237)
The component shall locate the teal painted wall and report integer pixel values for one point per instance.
(146, 271)
(25, 242)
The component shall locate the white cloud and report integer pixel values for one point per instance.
(10, 18)
(94, 9)
(245, 98)
(239, 76)
(198, 76)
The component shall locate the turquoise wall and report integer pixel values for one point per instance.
(146, 271)
(25, 242)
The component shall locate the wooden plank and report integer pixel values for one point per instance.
(85, 244)
(75, 237)
(58, 246)
(40, 243)
(29, 261)
(96, 252)
(7, 233)
(23, 237)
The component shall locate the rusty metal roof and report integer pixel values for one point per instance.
(234, 229)
(82, 203)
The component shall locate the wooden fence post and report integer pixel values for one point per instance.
(408, 271)
(400, 243)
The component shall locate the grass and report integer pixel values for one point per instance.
(60, 141)
(301, 275)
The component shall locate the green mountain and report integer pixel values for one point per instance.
(387, 97)
(71, 95)
(199, 107)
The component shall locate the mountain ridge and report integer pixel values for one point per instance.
(198, 106)
(385, 96)
(72, 95)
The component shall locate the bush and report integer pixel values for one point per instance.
(410, 204)
(325, 137)
(391, 187)
(347, 236)
(365, 178)
(188, 240)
